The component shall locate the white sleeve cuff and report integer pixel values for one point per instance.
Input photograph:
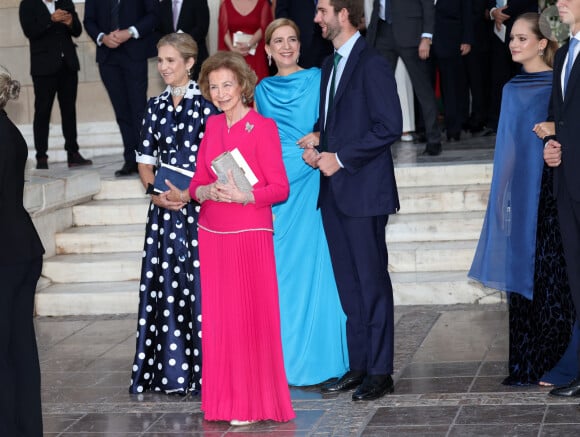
(338, 160)
(145, 159)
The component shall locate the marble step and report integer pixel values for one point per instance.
(443, 226)
(89, 298)
(101, 239)
(97, 267)
(426, 288)
(443, 174)
(121, 188)
(431, 256)
(111, 212)
(441, 288)
(443, 198)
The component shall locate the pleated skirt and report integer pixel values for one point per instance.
(243, 374)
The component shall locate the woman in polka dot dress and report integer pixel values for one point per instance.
(168, 350)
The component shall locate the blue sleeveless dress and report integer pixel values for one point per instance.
(313, 323)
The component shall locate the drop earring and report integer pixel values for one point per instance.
(269, 60)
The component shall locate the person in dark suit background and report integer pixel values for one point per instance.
(189, 16)
(54, 67)
(502, 66)
(314, 48)
(124, 31)
(20, 267)
(562, 152)
(477, 67)
(451, 42)
(358, 191)
(405, 28)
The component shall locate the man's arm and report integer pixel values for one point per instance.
(282, 9)
(384, 110)
(201, 25)
(34, 24)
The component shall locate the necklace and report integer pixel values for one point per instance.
(177, 91)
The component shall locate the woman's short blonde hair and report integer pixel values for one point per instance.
(277, 24)
(245, 76)
(182, 42)
(9, 88)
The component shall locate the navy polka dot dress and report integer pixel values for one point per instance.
(168, 350)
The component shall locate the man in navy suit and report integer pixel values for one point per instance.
(358, 124)
(54, 67)
(189, 16)
(313, 48)
(563, 154)
(124, 31)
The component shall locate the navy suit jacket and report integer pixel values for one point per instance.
(453, 27)
(566, 113)
(362, 125)
(51, 43)
(193, 19)
(143, 14)
(410, 19)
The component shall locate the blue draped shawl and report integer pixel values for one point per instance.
(505, 254)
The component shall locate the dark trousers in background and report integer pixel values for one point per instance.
(418, 72)
(63, 85)
(126, 82)
(20, 406)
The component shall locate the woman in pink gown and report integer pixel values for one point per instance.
(236, 16)
(243, 378)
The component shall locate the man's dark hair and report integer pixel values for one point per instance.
(355, 10)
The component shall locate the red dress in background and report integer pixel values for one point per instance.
(230, 20)
(243, 368)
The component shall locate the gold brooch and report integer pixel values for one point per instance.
(249, 126)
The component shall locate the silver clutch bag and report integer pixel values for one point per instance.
(243, 175)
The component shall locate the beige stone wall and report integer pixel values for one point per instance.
(92, 102)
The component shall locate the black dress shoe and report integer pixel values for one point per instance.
(127, 169)
(571, 390)
(419, 137)
(454, 137)
(75, 159)
(42, 163)
(432, 149)
(374, 387)
(348, 381)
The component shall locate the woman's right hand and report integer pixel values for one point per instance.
(161, 200)
(544, 129)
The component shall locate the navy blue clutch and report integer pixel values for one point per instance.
(179, 177)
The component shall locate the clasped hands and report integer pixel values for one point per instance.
(552, 148)
(116, 38)
(326, 162)
(62, 16)
(216, 191)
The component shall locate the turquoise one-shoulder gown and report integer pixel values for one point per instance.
(312, 321)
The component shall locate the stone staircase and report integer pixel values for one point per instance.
(97, 264)
(431, 243)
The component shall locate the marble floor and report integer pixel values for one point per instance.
(449, 364)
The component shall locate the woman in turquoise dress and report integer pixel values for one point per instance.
(312, 320)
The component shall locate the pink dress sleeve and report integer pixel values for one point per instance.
(276, 187)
